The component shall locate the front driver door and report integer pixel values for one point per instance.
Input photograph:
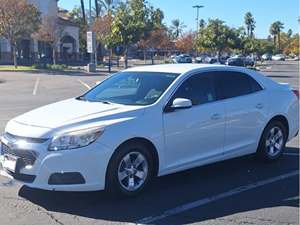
(195, 135)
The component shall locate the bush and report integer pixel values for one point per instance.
(49, 66)
(39, 66)
(56, 67)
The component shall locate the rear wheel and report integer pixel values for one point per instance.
(130, 170)
(273, 141)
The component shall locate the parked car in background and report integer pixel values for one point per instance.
(199, 59)
(211, 60)
(150, 121)
(183, 58)
(223, 59)
(267, 56)
(235, 61)
(278, 57)
(249, 61)
(240, 61)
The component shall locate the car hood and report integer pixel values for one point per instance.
(72, 111)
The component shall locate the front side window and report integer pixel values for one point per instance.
(232, 84)
(131, 88)
(198, 88)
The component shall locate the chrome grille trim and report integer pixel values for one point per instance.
(13, 138)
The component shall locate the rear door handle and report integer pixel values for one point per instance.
(216, 116)
(259, 106)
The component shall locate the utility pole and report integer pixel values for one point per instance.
(197, 18)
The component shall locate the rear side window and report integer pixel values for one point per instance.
(199, 89)
(232, 84)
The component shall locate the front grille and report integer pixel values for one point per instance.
(25, 156)
(12, 138)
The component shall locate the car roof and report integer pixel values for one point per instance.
(173, 68)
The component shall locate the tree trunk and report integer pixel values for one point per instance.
(15, 55)
(97, 8)
(109, 60)
(126, 57)
(219, 55)
(83, 10)
(152, 58)
(279, 41)
(54, 55)
(145, 57)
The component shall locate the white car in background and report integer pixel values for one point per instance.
(278, 57)
(150, 121)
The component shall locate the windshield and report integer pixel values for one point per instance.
(131, 88)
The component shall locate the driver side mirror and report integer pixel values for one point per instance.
(179, 103)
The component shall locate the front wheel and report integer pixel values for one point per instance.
(273, 141)
(130, 170)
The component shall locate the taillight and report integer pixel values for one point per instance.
(296, 92)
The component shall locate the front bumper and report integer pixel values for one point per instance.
(82, 169)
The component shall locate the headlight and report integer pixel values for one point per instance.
(75, 139)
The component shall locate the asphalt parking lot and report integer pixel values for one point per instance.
(238, 191)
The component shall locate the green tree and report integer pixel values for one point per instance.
(77, 17)
(153, 28)
(250, 24)
(289, 33)
(275, 31)
(103, 29)
(177, 28)
(129, 24)
(202, 24)
(18, 20)
(217, 37)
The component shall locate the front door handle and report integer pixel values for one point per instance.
(259, 106)
(216, 116)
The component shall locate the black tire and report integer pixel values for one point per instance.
(113, 185)
(263, 151)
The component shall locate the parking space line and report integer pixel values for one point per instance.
(36, 85)
(291, 154)
(201, 202)
(84, 84)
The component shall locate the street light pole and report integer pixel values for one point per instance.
(197, 19)
(90, 26)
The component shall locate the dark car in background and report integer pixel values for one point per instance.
(240, 61)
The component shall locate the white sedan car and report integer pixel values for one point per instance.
(150, 121)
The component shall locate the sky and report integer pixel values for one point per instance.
(231, 11)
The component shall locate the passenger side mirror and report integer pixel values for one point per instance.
(181, 103)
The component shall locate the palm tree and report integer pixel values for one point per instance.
(202, 24)
(177, 27)
(83, 10)
(250, 24)
(97, 6)
(275, 30)
(107, 4)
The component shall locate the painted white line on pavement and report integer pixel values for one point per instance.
(291, 154)
(84, 84)
(36, 85)
(205, 201)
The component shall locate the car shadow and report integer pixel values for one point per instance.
(174, 190)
